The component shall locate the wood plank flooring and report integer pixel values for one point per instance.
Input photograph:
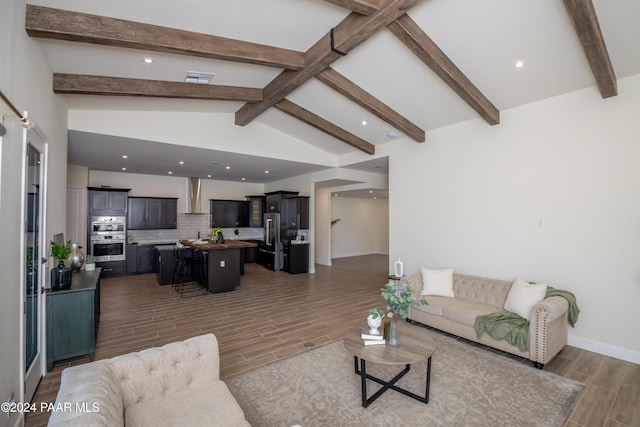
(271, 316)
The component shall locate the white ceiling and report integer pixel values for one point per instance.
(483, 38)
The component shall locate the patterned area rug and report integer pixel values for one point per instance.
(469, 387)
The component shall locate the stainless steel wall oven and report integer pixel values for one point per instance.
(108, 238)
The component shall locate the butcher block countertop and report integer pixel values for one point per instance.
(212, 245)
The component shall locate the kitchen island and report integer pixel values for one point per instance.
(223, 262)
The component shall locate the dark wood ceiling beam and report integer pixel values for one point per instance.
(585, 22)
(296, 111)
(348, 34)
(363, 7)
(80, 27)
(116, 86)
(424, 48)
(355, 93)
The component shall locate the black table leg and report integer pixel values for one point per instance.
(386, 385)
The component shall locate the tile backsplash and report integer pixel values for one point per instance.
(189, 226)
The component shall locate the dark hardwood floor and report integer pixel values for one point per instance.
(271, 316)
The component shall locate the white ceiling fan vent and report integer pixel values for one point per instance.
(198, 77)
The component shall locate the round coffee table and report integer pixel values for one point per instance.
(416, 346)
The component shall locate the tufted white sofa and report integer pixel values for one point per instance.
(475, 296)
(174, 385)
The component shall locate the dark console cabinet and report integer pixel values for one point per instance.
(72, 318)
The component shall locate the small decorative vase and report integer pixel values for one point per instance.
(374, 324)
(394, 331)
(60, 277)
(398, 268)
(76, 257)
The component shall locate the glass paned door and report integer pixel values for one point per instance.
(34, 258)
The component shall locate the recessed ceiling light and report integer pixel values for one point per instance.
(215, 162)
(181, 162)
(375, 198)
(148, 60)
(243, 179)
(370, 191)
(335, 195)
(208, 176)
(124, 156)
(364, 123)
(392, 134)
(266, 171)
(170, 173)
(519, 64)
(124, 169)
(228, 167)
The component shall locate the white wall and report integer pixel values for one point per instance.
(471, 198)
(363, 228)
(26, 78)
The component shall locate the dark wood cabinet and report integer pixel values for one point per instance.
(229, 213)
(145, 259)
(73, 316)
(107, 202)
(274, 199)
(147, 213)
(295, 213)
(132, 254)
(256, 210)
(141, 259)
(169, 213)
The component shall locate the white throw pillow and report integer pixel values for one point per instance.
(437, 282)
(523, 296)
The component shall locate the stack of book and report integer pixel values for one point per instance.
(372, 339)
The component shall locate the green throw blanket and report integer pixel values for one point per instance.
(504, 325)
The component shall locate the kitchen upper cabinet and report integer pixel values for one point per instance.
(275, 198)
(256, 210)
(295, 213)
(229, 213)
(107, 202)
(147, 213)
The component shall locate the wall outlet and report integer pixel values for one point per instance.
(222, 263)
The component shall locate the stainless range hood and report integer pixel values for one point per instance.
(193, 196)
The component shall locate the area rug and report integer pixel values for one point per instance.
(469, 387)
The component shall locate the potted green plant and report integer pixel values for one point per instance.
(398, 301)
(60, 275)
(236, 232)
(90, 263)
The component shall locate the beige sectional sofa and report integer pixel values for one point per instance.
(174, 385)
(475, 296)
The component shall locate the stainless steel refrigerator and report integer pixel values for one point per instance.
(270, 252)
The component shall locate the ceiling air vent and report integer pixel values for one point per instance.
(198, 77)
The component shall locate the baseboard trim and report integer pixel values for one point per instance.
(606, 349)
(352, 254)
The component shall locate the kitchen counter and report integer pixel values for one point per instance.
(224, 262)
(208, 245)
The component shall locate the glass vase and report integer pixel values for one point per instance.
(394, 331)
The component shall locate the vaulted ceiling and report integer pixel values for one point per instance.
(317, 70)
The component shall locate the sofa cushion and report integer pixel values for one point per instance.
(212, 404)
(465, 312)
(437, 282)
(455, 309)
(523, 296)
